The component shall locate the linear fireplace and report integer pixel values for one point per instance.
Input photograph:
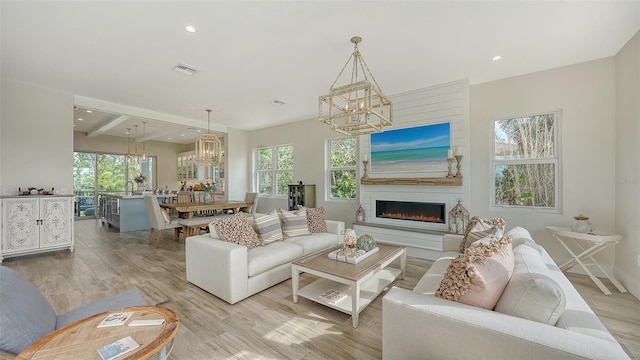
(428, 212)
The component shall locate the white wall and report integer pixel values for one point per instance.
(308, 138)
(586, 95)
(437, 104)
(627, 176)
(237, 164)
(37, 138)
(167, 159)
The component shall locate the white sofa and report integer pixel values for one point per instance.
(233, 273)
(418, 325)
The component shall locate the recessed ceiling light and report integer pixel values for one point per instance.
(80, 119)
(496, 58)
(89, 111)
(169, 138)
(198, 130)
(190, 29)
(181, 134)
(74, 125)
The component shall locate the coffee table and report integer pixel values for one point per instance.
(362, 282)
(81, 339)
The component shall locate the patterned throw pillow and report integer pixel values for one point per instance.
(268, 228)
(479, 276)
(294, 223)
(316, 220)
(479, 228)
(238, 230)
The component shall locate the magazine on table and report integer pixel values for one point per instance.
(333, 296)
(116, 319)
(115, 349)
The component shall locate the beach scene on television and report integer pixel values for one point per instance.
(416, 149)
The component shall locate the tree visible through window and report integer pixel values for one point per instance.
(526, 161)
(342, 168)
(274, 163)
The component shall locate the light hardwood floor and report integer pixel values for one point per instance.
(267, 325)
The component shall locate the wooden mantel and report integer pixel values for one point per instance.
(439, 181)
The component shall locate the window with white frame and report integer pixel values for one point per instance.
(526, 162)
(274, 170)
(341, 168)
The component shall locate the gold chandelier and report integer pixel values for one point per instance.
(208, 146)
(357, 108)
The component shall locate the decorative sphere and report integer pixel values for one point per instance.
(365, 242)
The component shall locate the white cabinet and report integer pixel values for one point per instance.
(36, 224)
(190, 169)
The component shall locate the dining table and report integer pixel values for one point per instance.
(188, 209)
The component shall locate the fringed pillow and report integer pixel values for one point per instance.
(316, 220)
(479, 275)
(479, 228)
(238, 230)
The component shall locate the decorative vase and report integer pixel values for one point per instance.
(366, 242)
(206, 196)
(141, 186)
(582, 224)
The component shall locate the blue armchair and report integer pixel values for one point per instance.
(26, 316)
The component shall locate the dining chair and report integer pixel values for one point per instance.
(250, 197)
(186, 197)
(158, 221)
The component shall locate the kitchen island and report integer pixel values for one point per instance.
(126, 211)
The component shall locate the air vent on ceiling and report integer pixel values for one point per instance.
(278, 102)
(185, 69)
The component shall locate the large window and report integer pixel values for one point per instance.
(342, 168)
(526, 162)
(274, 170)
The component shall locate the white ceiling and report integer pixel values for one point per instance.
(250, 53)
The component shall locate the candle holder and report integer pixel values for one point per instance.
(450, 173)
(365, 163)
(459, 165)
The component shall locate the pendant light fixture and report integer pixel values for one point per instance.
(208, 146)
(359, 107)
(129, 156)
(144, 141)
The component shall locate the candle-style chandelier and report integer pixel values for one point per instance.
(208, 146)
(357, 108)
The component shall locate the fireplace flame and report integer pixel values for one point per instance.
(412, 216)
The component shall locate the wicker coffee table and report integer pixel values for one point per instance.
(361, 282)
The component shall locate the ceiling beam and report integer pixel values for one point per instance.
(108, 125)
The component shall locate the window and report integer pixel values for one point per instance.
(274, 170)
(342, 168)
(526, 162)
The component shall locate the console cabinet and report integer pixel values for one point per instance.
(34, 224)
(302, 195)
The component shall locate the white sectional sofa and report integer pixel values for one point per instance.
(418, 325)
(233, 273)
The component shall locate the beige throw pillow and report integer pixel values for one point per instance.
(268, 228)
(532, 293)
(294, 223)
(479, 275)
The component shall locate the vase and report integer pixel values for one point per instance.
(206, 196)
(141, 186)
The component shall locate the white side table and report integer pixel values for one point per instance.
(598, 243)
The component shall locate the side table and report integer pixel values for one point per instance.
(598, 242)
(83, 338)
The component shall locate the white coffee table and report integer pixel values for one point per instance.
(362, 282)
